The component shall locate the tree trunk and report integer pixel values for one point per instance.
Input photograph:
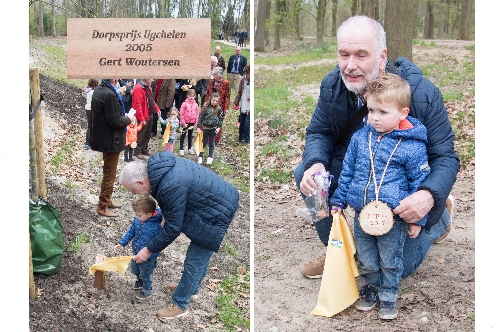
(260, 29)
(40, 19)
(354, 7)
(429, 24)
(376, 11)
(53, 19)
(320, 22)
(296, 19)
(268, 17)
(465, 20)
(399, 18)
(279, 12)
(334, 17)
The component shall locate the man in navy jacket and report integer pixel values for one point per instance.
(362, 54)
(235, 66)
(194, 201)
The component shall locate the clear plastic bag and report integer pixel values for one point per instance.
(317, 201)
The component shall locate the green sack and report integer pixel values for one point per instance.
(47, 244)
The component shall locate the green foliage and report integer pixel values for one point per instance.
(433, 43)
(230, 314)
(230, 249)
(274, 175)
(63, 154)
(422, 43)
(76, 245)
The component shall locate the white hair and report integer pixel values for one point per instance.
(361, 21)
(214, 58)
(219, 71)
(134, 171)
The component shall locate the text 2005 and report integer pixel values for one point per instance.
(139, 47)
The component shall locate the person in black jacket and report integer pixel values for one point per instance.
(194, 201)
(363, 57)
(107, 135)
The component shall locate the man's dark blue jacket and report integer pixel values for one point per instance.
(193, 199)
(336, 105)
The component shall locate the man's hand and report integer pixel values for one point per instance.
(414, 207)
(142, 255)
(308, 184)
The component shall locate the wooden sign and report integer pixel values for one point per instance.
(376, 218)
(138, 48)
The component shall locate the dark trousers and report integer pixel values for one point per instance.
(189, 135)
(208, 138)
(88, 113)
(244, 130)
(154, 124)
(127, 154)
(108, 178)
(143, 137)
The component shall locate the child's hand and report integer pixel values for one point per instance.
(162, 222)
(414, 230)
(217, 130)
(198, 130)
(118, 246)
(336, 210)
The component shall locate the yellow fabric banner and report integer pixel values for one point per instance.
(166, 134)
(338, 285)
(198, 143)
(119, 264)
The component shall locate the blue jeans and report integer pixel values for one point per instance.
(380, 258)
(195, 269)
(414, 250)
(144, 272)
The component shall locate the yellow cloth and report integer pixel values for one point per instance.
(119, 264)
(198, 143)
(338, 286)
(166, 134)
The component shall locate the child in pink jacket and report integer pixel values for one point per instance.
(189, 118)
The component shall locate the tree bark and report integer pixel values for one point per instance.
(279, 12)
(260, 29)
(354, 7)
(465, 20)
(320, 22)
(53, 18)
(296, 19)
(40, 19)
(399, 18)
(334, 17)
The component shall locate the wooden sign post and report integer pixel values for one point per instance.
(114, 48)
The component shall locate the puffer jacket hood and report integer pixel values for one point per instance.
(193, 199)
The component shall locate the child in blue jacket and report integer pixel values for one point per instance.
(385, 160)
(146, 224)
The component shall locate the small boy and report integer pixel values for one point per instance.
(385, 161)
(146, 224)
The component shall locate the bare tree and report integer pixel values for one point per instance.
(465, 20)
(53, 19)
(280, 16)
(40, 19)
(429, 24)
(354, 7)
(296, 8)
(334, 17)
(399, 18)
(260, 29)
(320, 22)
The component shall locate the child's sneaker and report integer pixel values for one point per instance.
(368, 298)
(388, 310)
(138, 284)
(181, 152)
(209, 161)
(200, 160)
(142, 295)
(191, 151)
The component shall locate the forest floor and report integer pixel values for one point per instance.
(439, 296)
(67, 300)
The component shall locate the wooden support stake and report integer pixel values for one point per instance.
(99, 279)
(38, 133)
(32, 278)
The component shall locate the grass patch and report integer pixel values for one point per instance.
(230, 249)
(63, 155)
(223, 169)
(268, 100)
(452, 95)
(230, 314)
(76, 245)
(274, 175)
(303, 55)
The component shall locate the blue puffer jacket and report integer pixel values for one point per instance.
(193, 199)
(336, 105)
(141, 234)
(407, 168)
